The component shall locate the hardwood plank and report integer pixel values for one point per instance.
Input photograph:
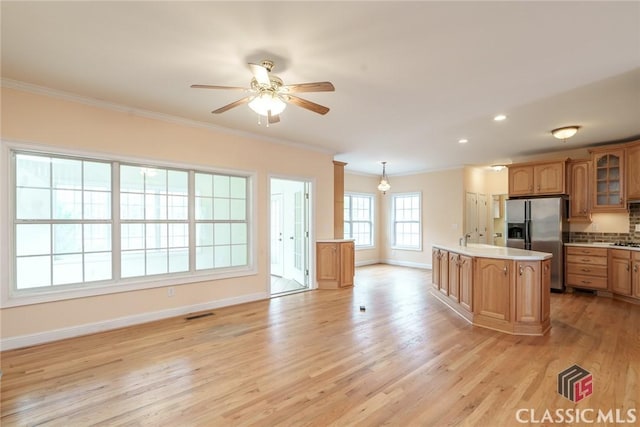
(315, 359)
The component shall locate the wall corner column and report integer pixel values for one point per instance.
(338, 199)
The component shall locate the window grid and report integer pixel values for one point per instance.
(358, 219)
(80, 221)
(407, 221)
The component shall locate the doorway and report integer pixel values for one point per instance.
(289, 236)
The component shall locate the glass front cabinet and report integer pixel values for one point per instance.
(608, 174)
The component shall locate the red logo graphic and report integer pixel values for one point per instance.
(575, 383)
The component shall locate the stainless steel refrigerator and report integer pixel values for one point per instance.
(540, 225)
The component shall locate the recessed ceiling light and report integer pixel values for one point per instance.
(463, 141)
(499, 117)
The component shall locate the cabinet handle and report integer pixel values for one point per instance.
(586, 282)
(635, 268)
(585, 260)
(505, 270)
(586, 270)
(520, 270)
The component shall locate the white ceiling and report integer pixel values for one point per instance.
(411, 78)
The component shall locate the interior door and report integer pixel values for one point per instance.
(483, 229)
(277, 237)
(471, 217)
(298, 264)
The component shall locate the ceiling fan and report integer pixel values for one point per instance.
(268, 95)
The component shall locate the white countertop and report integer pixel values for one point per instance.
(602, 245)
(490, 251)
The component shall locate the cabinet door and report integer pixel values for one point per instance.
(328, 261)
(466, 282)
(579, 194)
(454, 276)
(546, 289)
(620, 271)
(492, 288)
(635, 275)
(633, 172)
(521, 180)
(435, 268)
(347, 263)
(444, 272)
(608, 174)
(528, 292)
(548, 178)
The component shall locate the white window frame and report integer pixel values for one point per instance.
(10, 296)
(372, 219)
(394, 221)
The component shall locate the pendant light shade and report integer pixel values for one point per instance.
(384, 181)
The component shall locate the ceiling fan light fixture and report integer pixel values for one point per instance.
(565, 132)
(384, 185)
(267, 101)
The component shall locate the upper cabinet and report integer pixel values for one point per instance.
(579, 191)
(536, 179)
(633, 171)
(608, 174)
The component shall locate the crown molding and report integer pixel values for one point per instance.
(167, 118)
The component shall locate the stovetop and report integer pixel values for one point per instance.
(627, 244)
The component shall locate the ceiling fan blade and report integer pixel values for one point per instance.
(312, 106)
(232, 105)
(218, 87)
(273, 118)
(260, 73)
(309, 87)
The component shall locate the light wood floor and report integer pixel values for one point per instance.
(314, 358)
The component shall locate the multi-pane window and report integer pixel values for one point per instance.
(62, 221)
(154, 236)
(358, 219)
(406, 221)
(221, 221)
(165, 221)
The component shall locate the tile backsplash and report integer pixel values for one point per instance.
(631, 236)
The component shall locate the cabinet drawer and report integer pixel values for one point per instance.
(587, 259)
(587, 270)
(579, 281)
(584, 250)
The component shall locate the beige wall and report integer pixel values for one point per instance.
(39, 119)
(442, 213)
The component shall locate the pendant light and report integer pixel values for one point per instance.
(384, 181)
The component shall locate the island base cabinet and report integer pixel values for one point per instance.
(506, 295)
(335, 263)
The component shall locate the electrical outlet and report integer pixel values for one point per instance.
(637, 227)
(171, 292)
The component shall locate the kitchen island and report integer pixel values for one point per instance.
(495, 287)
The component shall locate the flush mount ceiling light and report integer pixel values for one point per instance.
(384, 181)
(498, 168)
(565, 132)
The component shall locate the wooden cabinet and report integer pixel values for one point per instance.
(579, 191)
(492, 290)
(454, 276)
(608, 180)
(335, 263)
(620, 271)
(542, 178)
(633, 171)
(440, 270)
(635, 274)
(528, 292)
(586, 267)
(466, 282)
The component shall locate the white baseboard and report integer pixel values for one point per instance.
(368, 262)
(91, 328)
(407, 264)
